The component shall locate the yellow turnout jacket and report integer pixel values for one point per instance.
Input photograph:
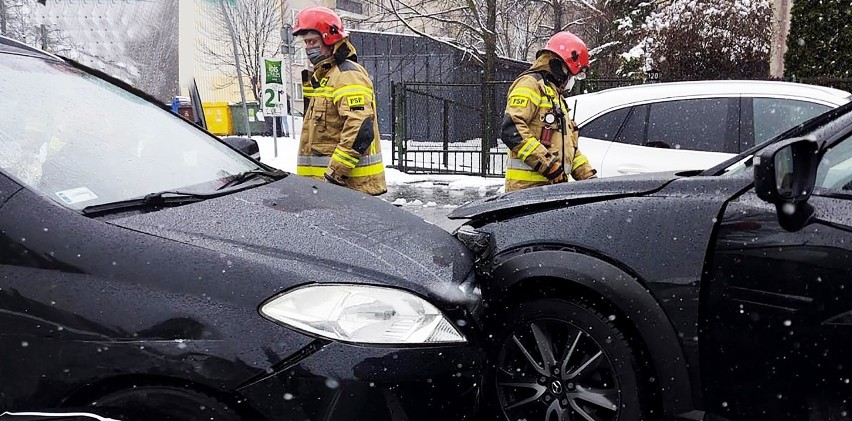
(340, 133)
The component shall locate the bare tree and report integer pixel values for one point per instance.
(257, 26)
(519, 27)
(525, 26)
(613, 31)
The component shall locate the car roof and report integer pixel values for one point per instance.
(11, 46)
(590, 105)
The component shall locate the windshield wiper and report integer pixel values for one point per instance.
(248, 175)
(153, 200)
(175, 198)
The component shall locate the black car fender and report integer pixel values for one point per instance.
(623, 291)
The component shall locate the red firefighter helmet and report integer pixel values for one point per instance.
(571, 49)
(322, 20)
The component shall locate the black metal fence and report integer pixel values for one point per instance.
(441, 129)
(394, 58)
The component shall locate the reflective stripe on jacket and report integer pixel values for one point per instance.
(340, 133)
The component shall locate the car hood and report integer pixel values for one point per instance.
(535, 199)
(309, 223)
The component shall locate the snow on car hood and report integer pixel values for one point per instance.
(314, 223)
(585, 191)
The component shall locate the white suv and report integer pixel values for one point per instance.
(690, 125)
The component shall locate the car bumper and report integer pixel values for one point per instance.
(335, 381)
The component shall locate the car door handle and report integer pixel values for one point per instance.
(632, 169)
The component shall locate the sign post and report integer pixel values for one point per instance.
(273, 86)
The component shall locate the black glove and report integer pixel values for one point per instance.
(552, 170)
(333, 179)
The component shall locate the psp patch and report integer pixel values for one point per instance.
(518, 101)
(356, 101)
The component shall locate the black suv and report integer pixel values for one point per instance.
(717, 294)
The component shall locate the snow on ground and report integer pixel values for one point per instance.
(288, 148)
(430, 196)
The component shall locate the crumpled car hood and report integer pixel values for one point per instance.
(565, 193)
(313, 223)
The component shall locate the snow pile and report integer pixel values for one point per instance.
(288, 148)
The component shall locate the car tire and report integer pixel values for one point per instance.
(590, 373)
(167, 403)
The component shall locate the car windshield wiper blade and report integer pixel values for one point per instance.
(248, 175)
(152, 200)
(173, 197)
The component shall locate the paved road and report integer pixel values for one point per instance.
(443, 200)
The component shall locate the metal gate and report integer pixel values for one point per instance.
(440, 128)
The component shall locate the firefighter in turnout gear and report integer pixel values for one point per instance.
(340, 134)
(541, 136)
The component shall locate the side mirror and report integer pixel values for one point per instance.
(244, 145)
(785, 175)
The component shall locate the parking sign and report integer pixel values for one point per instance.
(273, 86)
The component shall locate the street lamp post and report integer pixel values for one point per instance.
(287, 48)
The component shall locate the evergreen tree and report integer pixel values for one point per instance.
(710, 39)
(618, 30)
(820, 39)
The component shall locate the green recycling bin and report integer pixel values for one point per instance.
(257, 126)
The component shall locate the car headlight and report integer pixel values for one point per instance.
(363, 314)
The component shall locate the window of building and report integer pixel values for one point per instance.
(297, 90)
(299, 55)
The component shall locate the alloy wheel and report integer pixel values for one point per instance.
(552, 370)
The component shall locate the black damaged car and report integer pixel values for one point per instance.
(723, 294)
(149, 269)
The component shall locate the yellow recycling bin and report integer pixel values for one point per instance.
(218, 116)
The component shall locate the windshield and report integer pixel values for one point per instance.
(82, 141)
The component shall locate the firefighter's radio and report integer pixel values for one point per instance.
(549, 120)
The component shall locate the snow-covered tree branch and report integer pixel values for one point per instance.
(702, 39)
